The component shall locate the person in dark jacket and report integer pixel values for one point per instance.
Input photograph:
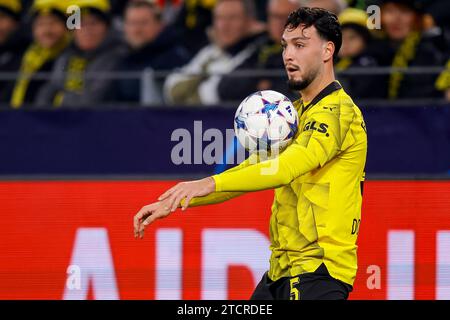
(437, 24)
(403, 46)
(151, 46)
(50, 38)
(13, 43)
(191, 23)
(267, 59)
(233, 41)
(356, 38)
(195, 18)
(77, 78)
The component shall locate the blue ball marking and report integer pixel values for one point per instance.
(269, 106)
(240, 123)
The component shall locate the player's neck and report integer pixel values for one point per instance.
(317, 85)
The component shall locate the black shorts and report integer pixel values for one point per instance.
(317, 285)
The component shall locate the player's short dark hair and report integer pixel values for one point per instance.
(153, 7)
(325, 22)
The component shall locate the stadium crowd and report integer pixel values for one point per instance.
(208, 52)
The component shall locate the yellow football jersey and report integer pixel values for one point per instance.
(317, 179)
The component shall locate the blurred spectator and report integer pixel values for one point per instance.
(50, 38)
(268, 58)
(194, 17)
(151, 45)
(12, 44)
(169, 10)
(437, 24)
(335, 6)
(95, 49)
(404, 46)
(232, 44)
(355, 40)
(440, 11)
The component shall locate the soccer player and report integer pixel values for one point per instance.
(318, 185)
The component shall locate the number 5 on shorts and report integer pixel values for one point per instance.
(295, 293)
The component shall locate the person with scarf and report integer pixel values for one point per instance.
(402, 46)
(50, 38)
(79, 76)
(356, 38)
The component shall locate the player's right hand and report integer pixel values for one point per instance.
(147, 215)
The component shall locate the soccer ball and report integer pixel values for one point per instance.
(265, 121)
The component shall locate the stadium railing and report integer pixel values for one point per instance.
(148, 77)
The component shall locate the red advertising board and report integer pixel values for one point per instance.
(74, 240)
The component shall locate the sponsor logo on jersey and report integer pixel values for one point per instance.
(319, 127)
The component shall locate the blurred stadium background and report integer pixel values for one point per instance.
(87, 117)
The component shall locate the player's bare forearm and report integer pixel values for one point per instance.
(212, 198)
(187, 191)
(184, 194)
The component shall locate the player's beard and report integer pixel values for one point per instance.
(299, 85)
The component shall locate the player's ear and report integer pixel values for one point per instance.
(328, 51)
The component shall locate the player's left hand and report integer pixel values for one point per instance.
(187, 190)
(147, 215)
